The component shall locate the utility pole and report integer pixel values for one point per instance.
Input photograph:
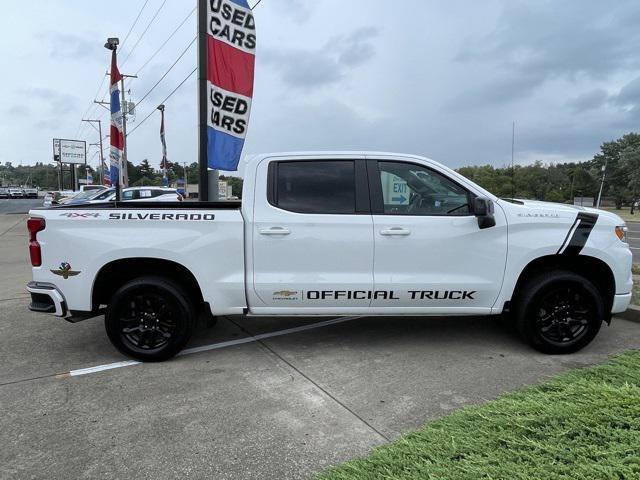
(186, 181)
(604, 174)
(101, 170)
(125, 110)
(513, 168)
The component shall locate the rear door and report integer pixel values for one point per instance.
(312, 237)
(430, 254)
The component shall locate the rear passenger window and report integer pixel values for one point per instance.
(314, 186)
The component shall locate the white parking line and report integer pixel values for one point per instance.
(101, 368)
(215, 346)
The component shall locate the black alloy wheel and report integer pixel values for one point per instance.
(558, 311)
(150, 319)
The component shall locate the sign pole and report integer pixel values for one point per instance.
(125, 165)
(203, 192)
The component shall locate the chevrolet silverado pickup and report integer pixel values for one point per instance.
(330, 234)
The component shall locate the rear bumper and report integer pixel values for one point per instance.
(46, 298)
(621, 302)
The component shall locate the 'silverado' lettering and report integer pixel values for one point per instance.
(163, 216)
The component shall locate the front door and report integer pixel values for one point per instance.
(313, 238)
(430, 254)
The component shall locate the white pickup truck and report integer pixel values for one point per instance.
(329, 234)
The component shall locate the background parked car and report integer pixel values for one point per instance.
(30, 192)
(133, 194)
(16, 192)
(54, 198)
(87, 196)
(4, 192)
(151, 194)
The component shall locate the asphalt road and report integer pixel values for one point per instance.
(633, 238)
(283, 407)
(18, 205)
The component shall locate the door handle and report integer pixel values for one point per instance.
(275, 231)
(395, 232)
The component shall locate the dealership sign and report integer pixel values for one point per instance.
(70, 151)
(73, 151)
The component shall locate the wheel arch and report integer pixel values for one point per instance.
(593, 269)
(114, 274)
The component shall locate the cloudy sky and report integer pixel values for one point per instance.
(441, 79)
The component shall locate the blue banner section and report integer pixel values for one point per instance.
(242, 3)
(114, 175)
(115, 100)
(224, 150)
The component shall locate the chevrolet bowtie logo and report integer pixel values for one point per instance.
(65, 271)
(284, 293)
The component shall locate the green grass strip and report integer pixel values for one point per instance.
(584, 424)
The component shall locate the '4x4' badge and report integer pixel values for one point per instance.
(65, 271)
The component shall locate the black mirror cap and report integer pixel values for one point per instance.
(487, 221)
(483, 209)
(482, 206)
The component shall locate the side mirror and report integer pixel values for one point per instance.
(483, 210)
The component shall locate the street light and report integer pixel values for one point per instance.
(112, 43)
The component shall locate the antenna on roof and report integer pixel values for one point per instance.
(513, 169)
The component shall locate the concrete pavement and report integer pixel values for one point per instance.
(282, 407)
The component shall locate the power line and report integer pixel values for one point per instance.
(163, 101)
(134, 23)
(166, 41)
(167, 72)
(257, 3)
(89, 108)
(96, 96)
(143, 32)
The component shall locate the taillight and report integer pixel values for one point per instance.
(35, 225)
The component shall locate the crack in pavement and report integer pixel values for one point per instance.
(313, 382)
(12, 226)
(19, 297)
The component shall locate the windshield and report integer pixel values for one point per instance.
(85, 195)
(102, 195)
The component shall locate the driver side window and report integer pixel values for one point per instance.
(411, 189)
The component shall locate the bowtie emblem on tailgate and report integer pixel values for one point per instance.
(65, 271)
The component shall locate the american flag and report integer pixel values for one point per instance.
(117, 138)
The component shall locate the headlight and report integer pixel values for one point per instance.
(621, 233)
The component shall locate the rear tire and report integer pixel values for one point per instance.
(558, 312)
(150, 319)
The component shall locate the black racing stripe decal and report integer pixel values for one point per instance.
(586, 222)
(566, 239)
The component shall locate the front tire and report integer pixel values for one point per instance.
(150, 319)
(559, 312)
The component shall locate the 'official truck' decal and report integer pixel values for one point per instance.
(376, 295)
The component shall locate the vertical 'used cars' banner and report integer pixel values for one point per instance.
(231, 45)
(117, 137)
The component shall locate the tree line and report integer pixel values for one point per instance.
(550, 182)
